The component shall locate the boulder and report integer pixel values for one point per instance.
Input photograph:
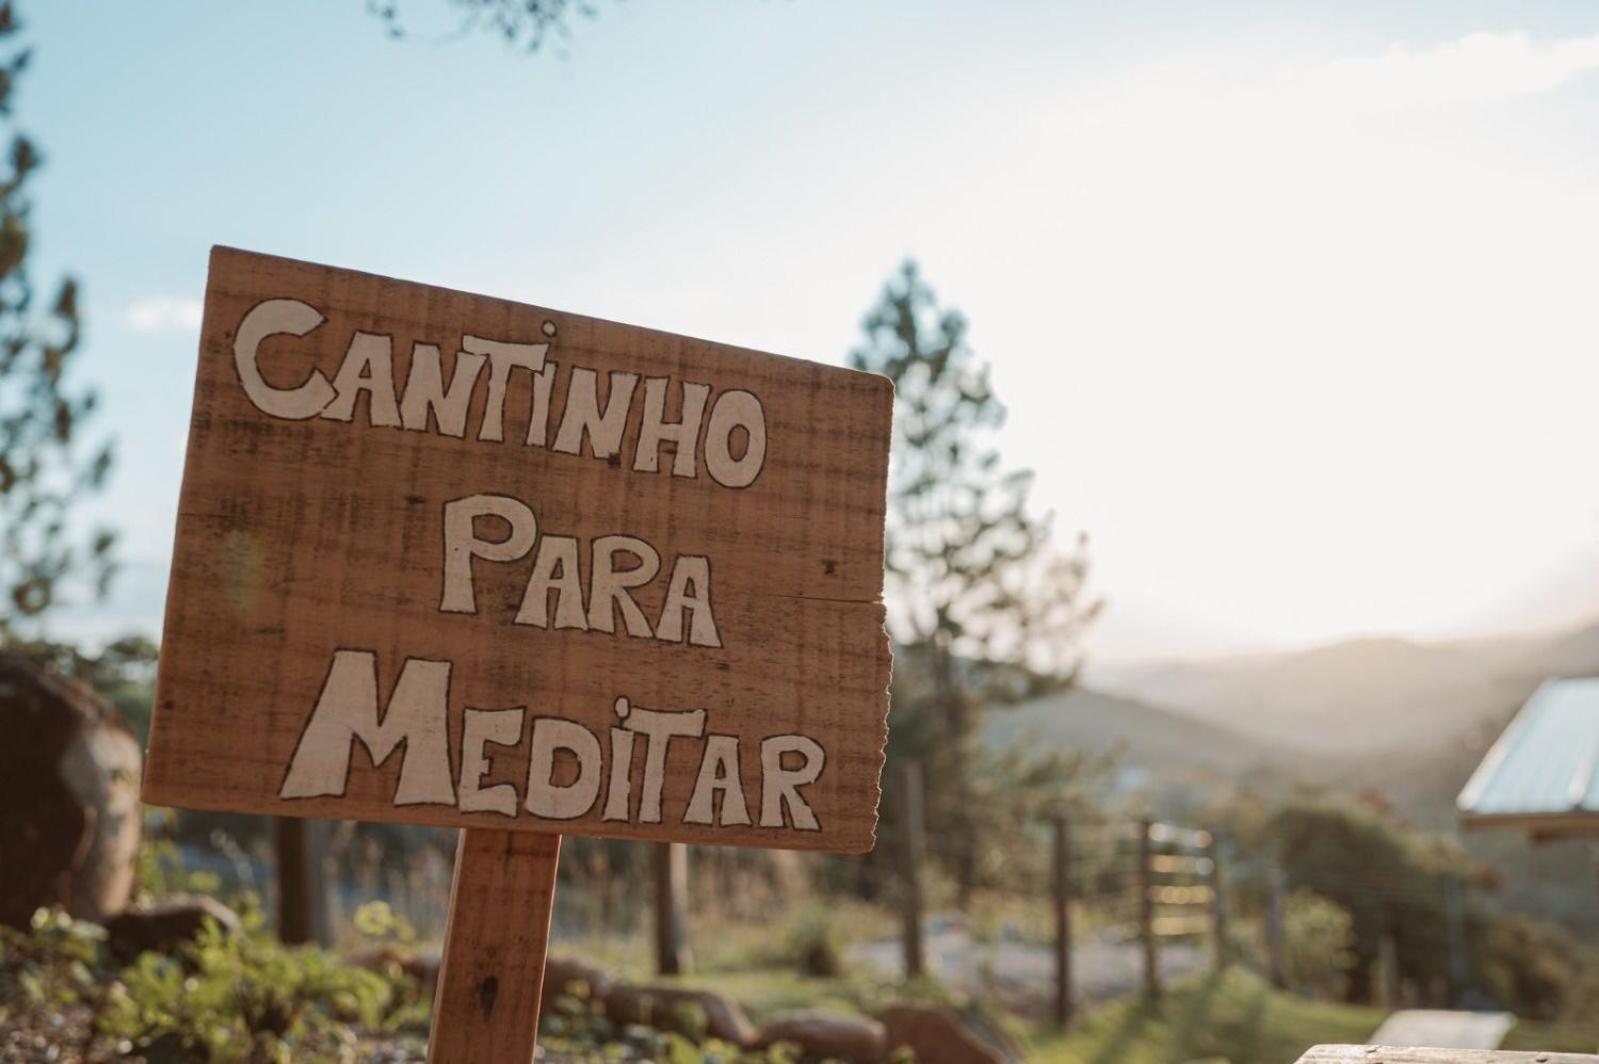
(666, 1008)
(940, 1036)
(166, 925)
(69, 797)
(566, 975)
(827, 1036)
(423, 967)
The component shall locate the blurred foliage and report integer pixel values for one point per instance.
(1319, 939)
(45, 467)
(817, 946)
(1233, 1016)
(1535, 969)
(160, 870)
(224, 996)
(238, 996)
(529, 24)
(1391, 882)
(376, 922)
(52, 964)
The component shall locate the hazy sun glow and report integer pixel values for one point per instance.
(1314, 346)
(1296, 322)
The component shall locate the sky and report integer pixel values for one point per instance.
(1292, 304)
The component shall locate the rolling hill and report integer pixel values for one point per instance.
(1149, 737)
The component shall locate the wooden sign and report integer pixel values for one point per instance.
(446, 559)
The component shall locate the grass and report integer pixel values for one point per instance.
(1234, 1017)
(1553, 1037)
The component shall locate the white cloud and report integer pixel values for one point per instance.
(1476, 68)
(164, 314)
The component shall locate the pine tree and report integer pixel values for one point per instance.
(983, 607)
(42, 473)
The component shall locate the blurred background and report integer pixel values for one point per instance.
(1241, 497)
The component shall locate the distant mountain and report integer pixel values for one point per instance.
(1571, 653)
(1362, 696)
(1149, 737)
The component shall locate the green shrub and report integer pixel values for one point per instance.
(53, 963)
(817, 948)
(247, 996)
(1319, 938)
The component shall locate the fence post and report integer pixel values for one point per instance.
(1146, 909)
(672, 956)
(1218, 900)
(1063, 921)
(302, 887)
(1276, 964)
(910, 856)
(1388, 966)
(1459, 964)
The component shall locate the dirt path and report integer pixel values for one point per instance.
(1442, 1029)
(1022, 975)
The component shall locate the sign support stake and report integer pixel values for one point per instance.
(492, 970)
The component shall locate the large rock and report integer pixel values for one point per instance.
(567, 975)
(939, 1036)
(423, 967)
(69, 797)
(665, 1008)
(166, 925)
(827, 1036)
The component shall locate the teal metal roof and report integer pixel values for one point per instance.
(1544, 769)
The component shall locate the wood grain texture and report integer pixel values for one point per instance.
(297, 538)
(486, 1007)
(1398, 1055)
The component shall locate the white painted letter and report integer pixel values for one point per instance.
(275, 317)
(503, 357)
(660, 727)
(348, 710)
(556, 554)
(502, 727)
(368, 366)
(569, 800)
(461, 544)
(779, 784)
(582, 413)
(733, 410)
(718, 772)
(538, 423)
(684, 435)
(621, 785)
(690, 590)
(609, 584)
(424, 389)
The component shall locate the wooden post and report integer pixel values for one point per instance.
(910, 854)
(672, 956)
(1388, 967)
(1218, 900)
(1276, 947)
(1146, 909)
(302, 890)
(1063, 922)
(1459, 962)
(492, 971)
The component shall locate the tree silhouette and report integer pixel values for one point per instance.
(42, 470)
(983, 606)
